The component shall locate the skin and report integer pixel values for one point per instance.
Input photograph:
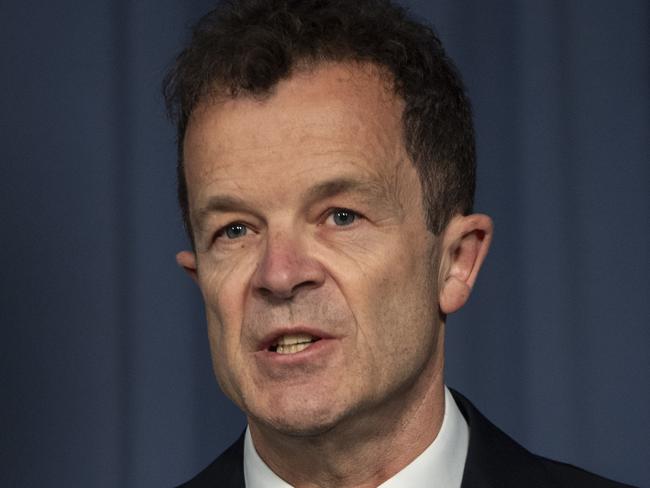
(267, 179)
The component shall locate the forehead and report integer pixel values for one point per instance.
(328, 118)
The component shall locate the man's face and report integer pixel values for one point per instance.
(309, 229)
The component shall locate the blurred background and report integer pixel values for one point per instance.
(106, 377)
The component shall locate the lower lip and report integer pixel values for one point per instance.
(314, 352)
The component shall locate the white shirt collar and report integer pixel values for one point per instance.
(441, 464)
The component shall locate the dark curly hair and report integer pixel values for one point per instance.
(245, 47)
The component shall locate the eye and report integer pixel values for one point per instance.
(233, 231)
(343, 216)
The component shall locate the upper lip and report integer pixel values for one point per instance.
(272, 337)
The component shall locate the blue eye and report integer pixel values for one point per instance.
(235, 231)
(343, 216)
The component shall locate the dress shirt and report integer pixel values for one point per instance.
(441, 464)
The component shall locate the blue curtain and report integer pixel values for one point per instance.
(106, 377)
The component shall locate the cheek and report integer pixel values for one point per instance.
(224, 290)
(224, 285)
(396, 310)
(224, 335)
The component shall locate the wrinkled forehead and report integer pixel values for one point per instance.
(358, 90)
(331, 108)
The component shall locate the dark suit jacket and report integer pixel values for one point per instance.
(494, 460)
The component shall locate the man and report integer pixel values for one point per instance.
(326, 178)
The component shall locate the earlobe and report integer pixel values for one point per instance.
(454, 293)
(465, 244)
(187, 261)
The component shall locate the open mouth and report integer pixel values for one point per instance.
(292, 343)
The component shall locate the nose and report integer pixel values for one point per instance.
(286, 269)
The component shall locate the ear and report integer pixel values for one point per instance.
(465, 244)
(187, 261)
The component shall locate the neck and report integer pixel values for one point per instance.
(383, 440)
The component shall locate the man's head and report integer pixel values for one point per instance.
(244, 48)
(326, 199)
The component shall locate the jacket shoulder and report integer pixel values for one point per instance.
(496, 460)
(571, 476)
(226, 471)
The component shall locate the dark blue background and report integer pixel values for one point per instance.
(106, 378)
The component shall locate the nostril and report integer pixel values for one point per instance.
(265, 292)
(285, 293)
(275, 296)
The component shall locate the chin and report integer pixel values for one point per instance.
(301, 419)
(301, 429)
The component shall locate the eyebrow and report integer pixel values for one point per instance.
(372, 192)
(330, 188)
(220, 203)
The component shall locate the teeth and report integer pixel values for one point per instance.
(293, 343)
(290, 339)
(293, 348)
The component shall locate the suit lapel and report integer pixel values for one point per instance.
(494, 460)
